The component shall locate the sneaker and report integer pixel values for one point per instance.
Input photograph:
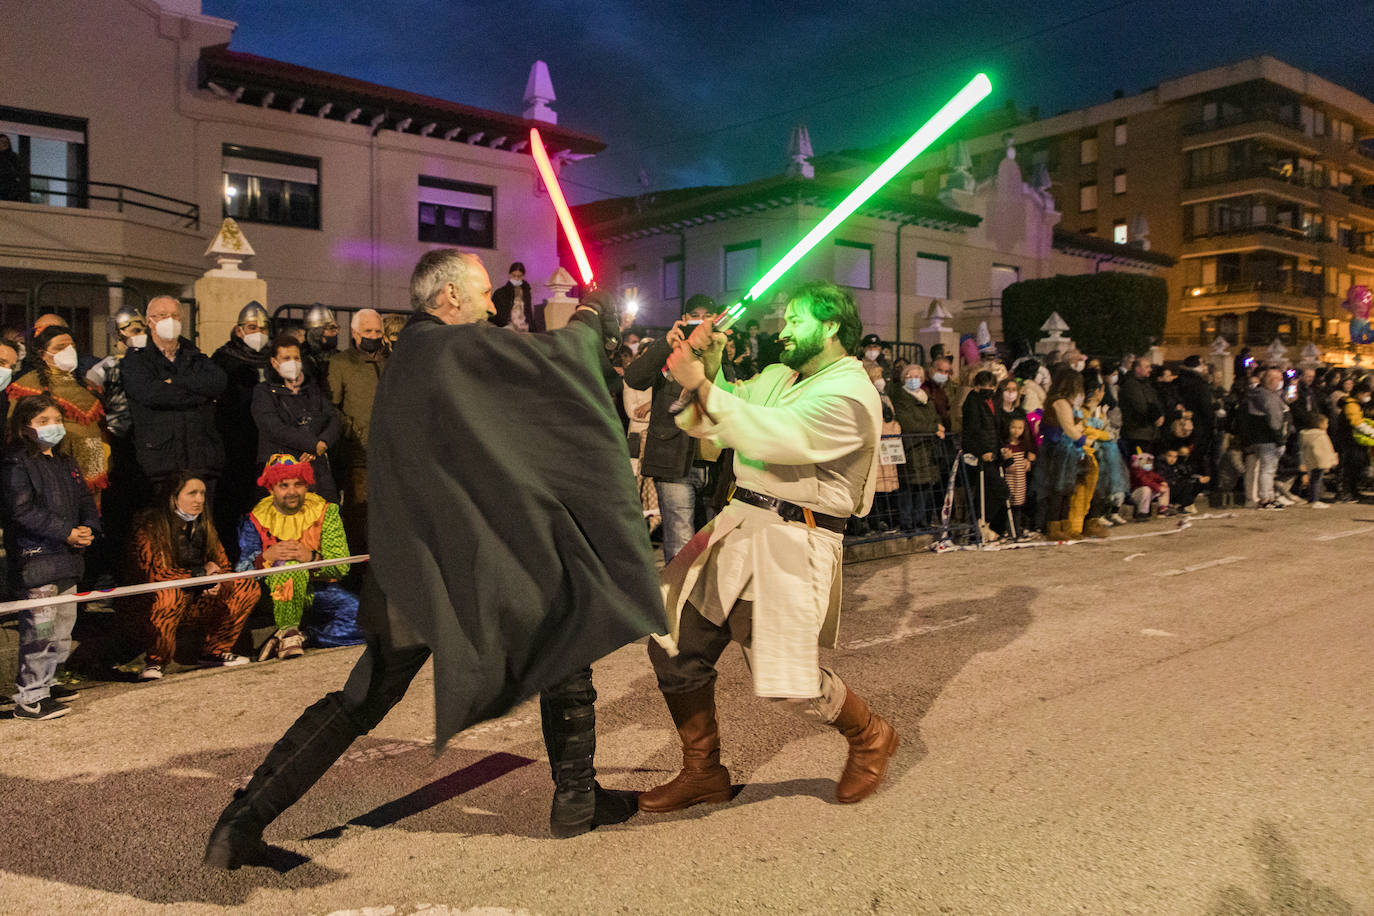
(222, 660)
(1319, 505)
(1116, 518)
(1188, 510)
(62, 693)
(1271, 504)
(150, 673)
(291, 644)
(1285, 500)
(46, 708)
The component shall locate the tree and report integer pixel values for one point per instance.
(1109, 314)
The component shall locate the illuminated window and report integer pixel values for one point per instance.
(268, 186)
(1119, 234)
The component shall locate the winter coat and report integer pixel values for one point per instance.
(503, 297)
(82, 415)
(173, 403)
(1266, 417)
(919, 422)
(980, 425)
(1140, 408)
(294, 423)
(353, 382)
(668, 451)
(45, 498)
(1317, 451)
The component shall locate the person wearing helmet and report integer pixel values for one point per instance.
(321, 342)
(245, 360)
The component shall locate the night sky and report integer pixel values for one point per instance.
(706, 93)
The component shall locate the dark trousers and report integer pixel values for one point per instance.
(1314, 485)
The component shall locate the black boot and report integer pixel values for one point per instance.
(295, 763)
(567, 713)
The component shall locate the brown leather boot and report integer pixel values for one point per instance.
(1095, 528)
(872, 742)
(702, 779)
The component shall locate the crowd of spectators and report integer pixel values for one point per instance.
(160, 462)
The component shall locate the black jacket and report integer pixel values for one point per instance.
(979, 434)
(245, 369)
(293, 423)
(45, 498)
(668, 452)
(173, 405)
(1196, 395)
(504, 299)
(1140, 408)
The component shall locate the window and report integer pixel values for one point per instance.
(1209, 112)
(1345, 132)
(742, 265)
(1003, 275)
(267, 186)
(1119, 133)
(456, 212)
(629, 278)
(932, 276)
(1119, 233)
(52, 157)
(1119, 182)
(1087, 150)
(672, 277)
(1087, 197)
(853, 264)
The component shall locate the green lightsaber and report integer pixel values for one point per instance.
(963, 102)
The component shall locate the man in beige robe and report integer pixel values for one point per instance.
(766, 572)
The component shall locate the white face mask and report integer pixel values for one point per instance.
(168, 329)
(255, 341)
(5, 375)
(65, 359)
(138, 341)
(634, 348)
(872, 354)
(939, 377)
(1078, 366)
(1009, 397)
(289, 369)
(186, 516)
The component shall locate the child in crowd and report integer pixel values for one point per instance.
(1318, 457)
(1184, 485)
(1018, 452)
(1147, 487)
(51, 518)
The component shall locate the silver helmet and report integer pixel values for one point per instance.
(320, 316)
(124, 317)
(254, 311)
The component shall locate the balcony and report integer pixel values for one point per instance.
(1266, 236)
(1246, 124)
(1293, 295)
(102, 227)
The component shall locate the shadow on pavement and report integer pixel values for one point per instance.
(1285, 888)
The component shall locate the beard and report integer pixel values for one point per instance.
(800, 352)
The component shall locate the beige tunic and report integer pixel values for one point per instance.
(813, 443)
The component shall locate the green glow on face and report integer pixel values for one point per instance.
(977, 89)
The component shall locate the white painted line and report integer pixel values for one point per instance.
(1148, 632)
(1224, 561)
(903, 632)
(1134, 556)
(1344, 534)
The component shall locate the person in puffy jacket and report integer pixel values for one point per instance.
(50, 520)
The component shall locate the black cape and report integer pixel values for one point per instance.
(505, 526)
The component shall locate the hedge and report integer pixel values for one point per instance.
(1108, 314)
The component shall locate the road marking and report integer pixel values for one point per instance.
(1343, 534)
(903, 632)
(1133, 556)
(1224, 561)
(1148, 632)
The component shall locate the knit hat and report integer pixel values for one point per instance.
(285, 467)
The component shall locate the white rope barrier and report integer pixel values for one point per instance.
(14, 607)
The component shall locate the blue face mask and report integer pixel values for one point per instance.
(51, 435)
(911, 384)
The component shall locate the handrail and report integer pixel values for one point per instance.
(189, 211)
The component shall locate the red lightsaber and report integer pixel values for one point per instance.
(560, 204)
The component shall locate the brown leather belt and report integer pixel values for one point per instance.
(790, 511)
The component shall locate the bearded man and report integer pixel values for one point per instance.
(766, 572)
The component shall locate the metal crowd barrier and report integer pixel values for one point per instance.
(932, 492)
(14, 607)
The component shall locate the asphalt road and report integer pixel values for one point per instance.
(1177, 721)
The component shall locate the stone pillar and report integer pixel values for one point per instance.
(937, 333)
(100, 342)
(1223, 365)
(226, 289)
(1055, 341)
(560, 306)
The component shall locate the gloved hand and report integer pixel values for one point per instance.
(603, 304)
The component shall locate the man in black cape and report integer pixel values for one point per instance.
(507, 538)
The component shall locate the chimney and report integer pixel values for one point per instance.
(539, 93)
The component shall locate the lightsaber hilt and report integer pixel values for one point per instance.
(727, 320)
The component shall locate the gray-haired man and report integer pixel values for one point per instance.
(353, 377)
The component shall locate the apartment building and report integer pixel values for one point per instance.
(1260, 176)
(139, 129)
